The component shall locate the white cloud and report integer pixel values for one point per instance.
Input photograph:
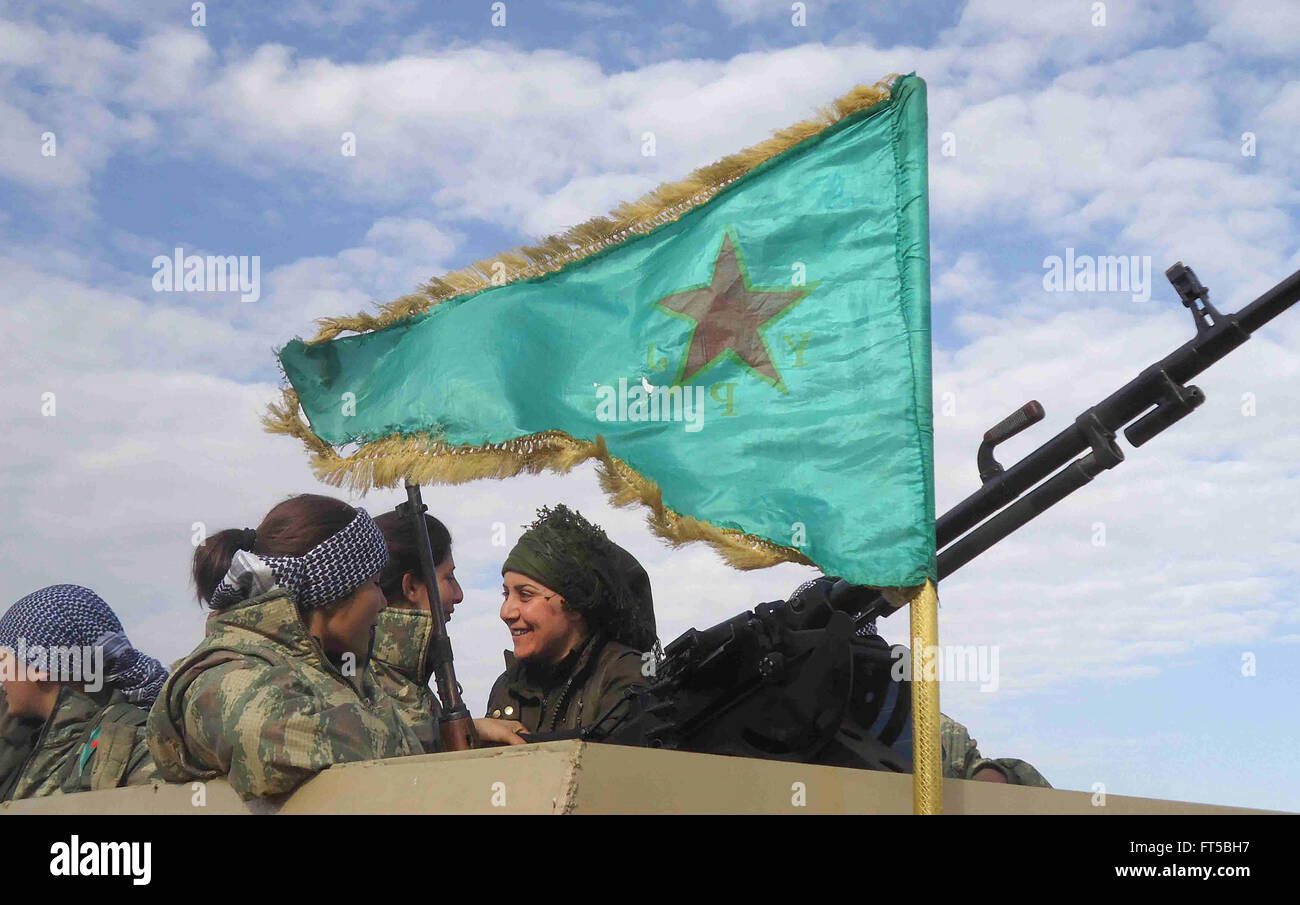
(67, 327)
(489, 131)
(169, 68)
(967, 281)
(1252, 29)
(576, 201)
(1064, 31)
(398, 254)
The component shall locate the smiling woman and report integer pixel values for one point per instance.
(286, 654)
(580, 614)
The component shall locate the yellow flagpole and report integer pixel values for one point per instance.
(927, 770)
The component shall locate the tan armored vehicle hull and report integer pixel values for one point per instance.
(573, 777)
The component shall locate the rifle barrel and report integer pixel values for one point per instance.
(456, 726)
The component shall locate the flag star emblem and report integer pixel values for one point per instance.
(729, 313)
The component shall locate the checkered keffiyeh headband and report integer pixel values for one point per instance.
(68, 615)
(327, 572)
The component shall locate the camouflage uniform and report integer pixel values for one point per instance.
(573, 694)
(962, 759)
(402, 667)
(259, 702)
(17, 736)
(90, 742)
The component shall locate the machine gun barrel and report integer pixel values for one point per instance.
(1005, 502)
(1119, 408)
(1270, 304)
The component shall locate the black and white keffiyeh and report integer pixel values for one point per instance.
(70, 616)
(330, 571)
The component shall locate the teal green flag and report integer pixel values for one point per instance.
(763, 359)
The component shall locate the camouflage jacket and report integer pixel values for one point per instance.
(259, 702)
(572, 695)
(17, 736)
(90, 742)
(962, 759)
(402, 667)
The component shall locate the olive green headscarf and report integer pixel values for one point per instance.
(595, 576)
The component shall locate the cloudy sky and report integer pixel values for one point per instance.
(1147, 628)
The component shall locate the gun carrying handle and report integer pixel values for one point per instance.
(1027, 415)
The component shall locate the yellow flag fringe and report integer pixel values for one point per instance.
(425, 460)
(662, 205)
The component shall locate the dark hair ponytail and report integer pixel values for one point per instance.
(403, 556)
(291, 528)
(212, 559)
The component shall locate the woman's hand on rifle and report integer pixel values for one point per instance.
(499, 732)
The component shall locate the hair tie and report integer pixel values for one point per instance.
(248, 539)
(327, 572)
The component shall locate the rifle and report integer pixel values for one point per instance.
(997, 509)
(456, 726)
